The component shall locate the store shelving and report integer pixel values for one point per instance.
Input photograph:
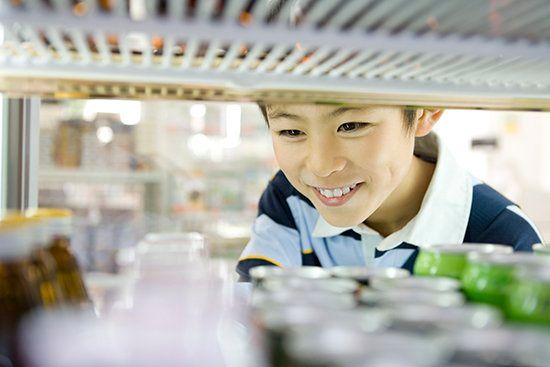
(89, 176)
(461, 53)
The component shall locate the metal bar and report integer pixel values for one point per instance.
(81, 46)
(211, 54)
(320, 10)
(176, 9)
(380, 10)
(378, 60)
(206, 9)
(291, 59)
(319, 55)
(343, 69)
(275, 53)
(409, 10)
(37, 43)
(393, 62)
(20, 130)
(230, 56)
(347, 11)
(167, 51)
(190, 51)
(233, 10)
(57, 42)
(339, 57)
(252, 56)
(102, 47)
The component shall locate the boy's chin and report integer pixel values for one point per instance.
(341, 221)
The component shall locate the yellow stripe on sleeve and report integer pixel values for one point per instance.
(261, 257)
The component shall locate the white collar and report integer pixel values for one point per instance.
(444, 212)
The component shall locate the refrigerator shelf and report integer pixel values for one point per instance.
(462, 53)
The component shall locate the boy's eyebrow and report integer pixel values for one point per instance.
(282, 115)
(340, 111)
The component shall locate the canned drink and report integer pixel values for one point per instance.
(259, 273)
(339, 345)
(429, 284)
(505, 346)
(329, 285)
(449, 260)
(398, 297)
(278, 322)
(262, 299)
(487, 277)
(529, 296)
(541, 249)
(433, 319)
(363, 274)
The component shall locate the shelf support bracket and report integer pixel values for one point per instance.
(19, 144)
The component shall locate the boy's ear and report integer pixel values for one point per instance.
(426, 121)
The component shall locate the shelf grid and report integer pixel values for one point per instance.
(461, 53)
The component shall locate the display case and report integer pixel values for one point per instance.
(468, 53)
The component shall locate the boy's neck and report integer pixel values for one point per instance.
(405, 201)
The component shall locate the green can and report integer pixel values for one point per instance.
(487, 277)
(529, 296)
(541, 249)
(450, 260)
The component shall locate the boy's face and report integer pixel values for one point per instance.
(346, 160)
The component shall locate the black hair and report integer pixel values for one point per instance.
(409, 115)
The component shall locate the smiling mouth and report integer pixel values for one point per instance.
(336, 193)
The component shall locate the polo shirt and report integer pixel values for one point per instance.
(456, 208)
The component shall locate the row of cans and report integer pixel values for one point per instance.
(356, 316)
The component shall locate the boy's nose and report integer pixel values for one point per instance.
(324, 160)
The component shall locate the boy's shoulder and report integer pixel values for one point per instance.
(495, 218)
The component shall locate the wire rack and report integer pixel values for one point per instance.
(460, 53)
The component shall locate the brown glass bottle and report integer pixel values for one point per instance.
(68, 274)
(19, 286)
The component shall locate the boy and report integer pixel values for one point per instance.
(369, 186)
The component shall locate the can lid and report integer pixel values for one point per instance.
(543, 248)
(302, 272)
(434, 284)
(464, 248)
(418, 317)
(288, 297)
(341, 345)
(397, 297)
(364, 273)
(536, 271)
(505, 260)
(331, 285)
(264, 271)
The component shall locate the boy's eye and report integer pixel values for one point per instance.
(352, 126)
(290, 133)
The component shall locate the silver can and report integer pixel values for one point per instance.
(398, 297)
(363, 274)
(432, 284)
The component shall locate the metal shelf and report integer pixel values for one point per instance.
(460, 53)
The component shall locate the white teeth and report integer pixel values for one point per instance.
(336, 193)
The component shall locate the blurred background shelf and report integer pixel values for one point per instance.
(89, 176)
